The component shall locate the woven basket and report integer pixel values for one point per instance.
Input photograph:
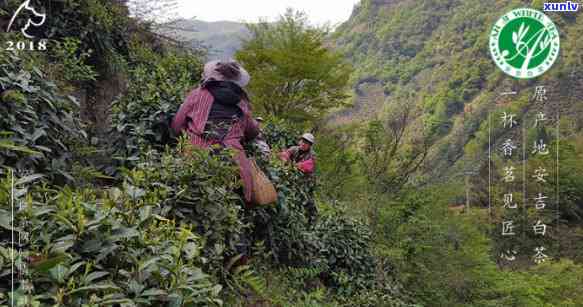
(264, 192)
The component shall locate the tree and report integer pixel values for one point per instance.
(293, 75)
(394, 148)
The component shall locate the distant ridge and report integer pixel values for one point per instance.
(221, 38)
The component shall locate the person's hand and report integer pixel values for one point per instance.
(306, 167)
(284, 156)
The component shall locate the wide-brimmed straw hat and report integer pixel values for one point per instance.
(226, 71)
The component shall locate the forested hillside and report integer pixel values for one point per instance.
(433, 55)
(413, 151)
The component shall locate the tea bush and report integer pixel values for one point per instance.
(172, 218)
(38, 125)
(157, 87)
(197, 190)
(87, 249)
(335, 249)
(169, 228)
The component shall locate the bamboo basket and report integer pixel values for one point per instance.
(264, 192)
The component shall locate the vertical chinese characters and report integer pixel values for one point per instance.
(510, 152)
(541, 173)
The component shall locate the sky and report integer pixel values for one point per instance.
(318, 11)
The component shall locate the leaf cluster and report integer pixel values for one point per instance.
(39, 126)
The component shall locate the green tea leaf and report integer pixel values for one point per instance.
(47, 264)
(28, 179)
(93, 276)
(58, 273)
(98, 287)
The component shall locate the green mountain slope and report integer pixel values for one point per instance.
(434, 55)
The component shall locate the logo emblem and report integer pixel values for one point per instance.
(29, 22)
(524, 43)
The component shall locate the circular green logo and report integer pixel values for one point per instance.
(524, 43)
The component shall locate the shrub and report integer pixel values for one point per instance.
(334, 248)
(198, 190)
(157, 87)
(86, 249)
(38, 125)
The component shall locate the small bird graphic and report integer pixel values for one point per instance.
(29, 22)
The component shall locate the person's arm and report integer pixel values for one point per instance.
(286, 154)
(307, 166)
(250, 125)
(179, 121)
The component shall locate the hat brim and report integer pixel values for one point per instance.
(244, 78)
(304, 139)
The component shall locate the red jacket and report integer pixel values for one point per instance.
(304, 161)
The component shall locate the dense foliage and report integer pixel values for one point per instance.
(169, 231)
(445, 259)
(85, 249)
(157, 85)
(38, 124)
